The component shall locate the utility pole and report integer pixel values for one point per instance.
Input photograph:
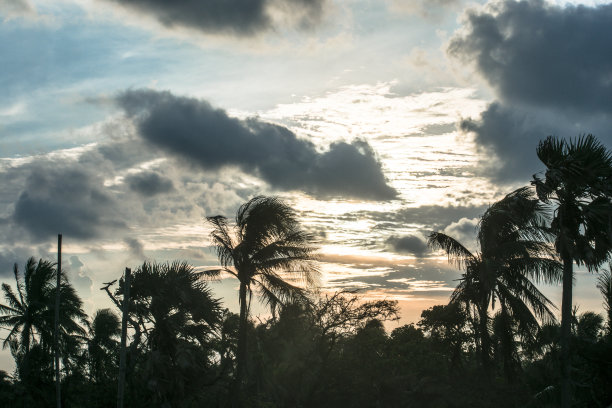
(126, 309)
(58, 383)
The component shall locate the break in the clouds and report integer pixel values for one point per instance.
(237, 17)
(65, 199)
(194, 130)
(551, 69)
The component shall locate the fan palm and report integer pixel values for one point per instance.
(267, 251)
(578, 182)
(176, 301)
(102, 345)
(29, 312)
(513, 250)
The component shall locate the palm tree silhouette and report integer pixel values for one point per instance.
(578, 182)
(177, 303)
(103, 345)
(604, 284)
(267, 251)
(513, 250)
(29, 313)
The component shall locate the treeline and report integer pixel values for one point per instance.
(496, 343)
(327, 352)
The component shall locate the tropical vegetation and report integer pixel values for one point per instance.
(497, 342)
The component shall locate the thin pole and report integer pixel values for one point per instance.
(125, 307)
(58, 383)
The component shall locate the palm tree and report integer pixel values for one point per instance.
(604, 284)
(513, 250)
(102, 345)
(30, 312)
(177, 303)
(267, 251)
(172, 307)
(578, 182)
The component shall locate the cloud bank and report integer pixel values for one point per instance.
(235, 17)
(208, 137)
(551, 69)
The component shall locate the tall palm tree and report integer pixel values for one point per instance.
(267, 251)
(578, 182)
(30, 312)
(513, 250)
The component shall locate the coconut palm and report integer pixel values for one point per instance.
(29, 312)
(268, 252)
(513, 251)
(578, 182)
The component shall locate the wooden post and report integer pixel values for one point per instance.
(126, 308)
(58, 383)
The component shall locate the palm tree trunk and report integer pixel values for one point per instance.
(242, 342)
(566, 332)
(485, 340)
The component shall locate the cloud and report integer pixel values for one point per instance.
(65, 199)
(194, 130)
(429, 217)
(464, 231)
(431, 9)
(535, 53)
(11, 256)
(551, 70)
(77, 277)
(410, 244)
(136, 247)
(17, 8)
(149, 184)
(236, 17)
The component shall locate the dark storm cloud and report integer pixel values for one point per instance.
(410, 244)
(238, 17)
(149, 184)
(64, 199)
(551, 69)
(532, 52)
(208, 137)
(513, 135)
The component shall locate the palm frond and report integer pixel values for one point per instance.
(14, 305)
(457, 253)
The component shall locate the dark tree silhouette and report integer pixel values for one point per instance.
(267, 251)
(103, 345)
(578, 182)
(29, 313)
(514, 250)
(604, 284)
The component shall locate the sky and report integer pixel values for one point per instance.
(123, 124)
